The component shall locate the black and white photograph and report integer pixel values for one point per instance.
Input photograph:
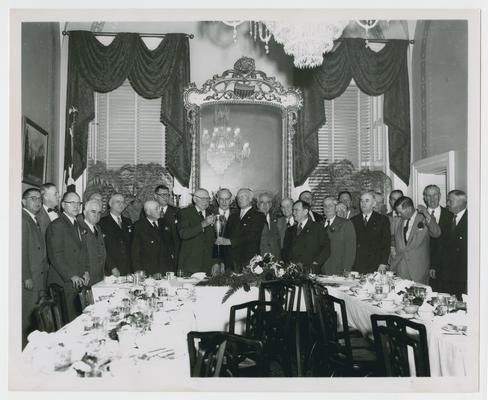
(277, 200)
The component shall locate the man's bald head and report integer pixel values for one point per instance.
(201, 198)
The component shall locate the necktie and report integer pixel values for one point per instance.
(453, 224)
(433, 215)
(365, 220)
(327, 224)
(119, 222)
(201, 215)
(155, 225)
(299, 229)
(37, 223)
(75, 224)
(288, 223)
(55, 209)
(242, 214)
(405, 230)
(95, 231)
(223, 219)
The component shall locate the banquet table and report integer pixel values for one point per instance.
(448, 352)
(162, 348)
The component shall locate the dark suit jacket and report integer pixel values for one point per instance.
(453, 274)
(149, 251)
(282, 227)
(311, 247)
(220, 253)
(196, 242)
(69, 257)
(169, 230)
(372, 242)
(44, 221)
(318, 217)
(245, 237)
(436, 244)
(342, 238)
(270, 238)
(96, 252)
(118, 243)
(35, 267)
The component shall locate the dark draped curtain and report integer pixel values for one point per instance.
(160, 73)
(379, 73)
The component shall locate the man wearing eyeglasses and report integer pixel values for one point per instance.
(68, 254)
(196, 230)
(34, 260)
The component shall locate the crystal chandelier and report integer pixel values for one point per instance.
(305, 41)
(223, 144)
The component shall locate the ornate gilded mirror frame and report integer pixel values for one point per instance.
(243, 85)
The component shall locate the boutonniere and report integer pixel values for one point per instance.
(129, 228)
(83, 231)
(166, 228)
(421, 225)
(332, 228)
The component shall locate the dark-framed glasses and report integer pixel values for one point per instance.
(76, 203)
(34, 198)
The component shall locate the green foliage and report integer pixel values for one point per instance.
(135, 182)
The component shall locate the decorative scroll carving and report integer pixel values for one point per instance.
(244, 85)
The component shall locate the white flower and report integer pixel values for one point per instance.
(280, 272)
(258, 270)
(256, 259)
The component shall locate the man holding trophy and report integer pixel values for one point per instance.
(222, 214)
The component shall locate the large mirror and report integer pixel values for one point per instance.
(242, 126)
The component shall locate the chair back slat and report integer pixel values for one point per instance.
(48, 316)
(56, 293)
(219, 354)
(394, 336)
(86, 297)
(337, 345)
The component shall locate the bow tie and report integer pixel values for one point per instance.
(55, 209)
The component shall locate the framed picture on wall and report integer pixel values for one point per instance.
(34, 153)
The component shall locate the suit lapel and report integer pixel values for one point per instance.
(71, 229)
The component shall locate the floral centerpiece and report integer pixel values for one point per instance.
(260, 268)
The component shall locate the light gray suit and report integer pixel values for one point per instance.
(342, 238)
(412, 260)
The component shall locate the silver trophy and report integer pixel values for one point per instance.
(219, 226)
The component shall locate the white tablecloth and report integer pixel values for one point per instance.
(448, 354)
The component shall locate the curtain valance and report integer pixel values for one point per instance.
(384, 72)
(163, 72)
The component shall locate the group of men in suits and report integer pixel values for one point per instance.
(74, 249)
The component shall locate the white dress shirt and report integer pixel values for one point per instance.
(459, 215)
(51, 214)
(244, 211)
(437, 213)
(225, 213)
(410, 224)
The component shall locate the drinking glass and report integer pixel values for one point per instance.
(179, 273)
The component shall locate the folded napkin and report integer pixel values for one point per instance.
(199, 275)
(150, 282)
(110, 279)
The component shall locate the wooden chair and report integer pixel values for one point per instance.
(393, 336)
(56, 294)
(267, 322)
(86, 297)
(48, 316)
(343, 355)
(221, 354)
